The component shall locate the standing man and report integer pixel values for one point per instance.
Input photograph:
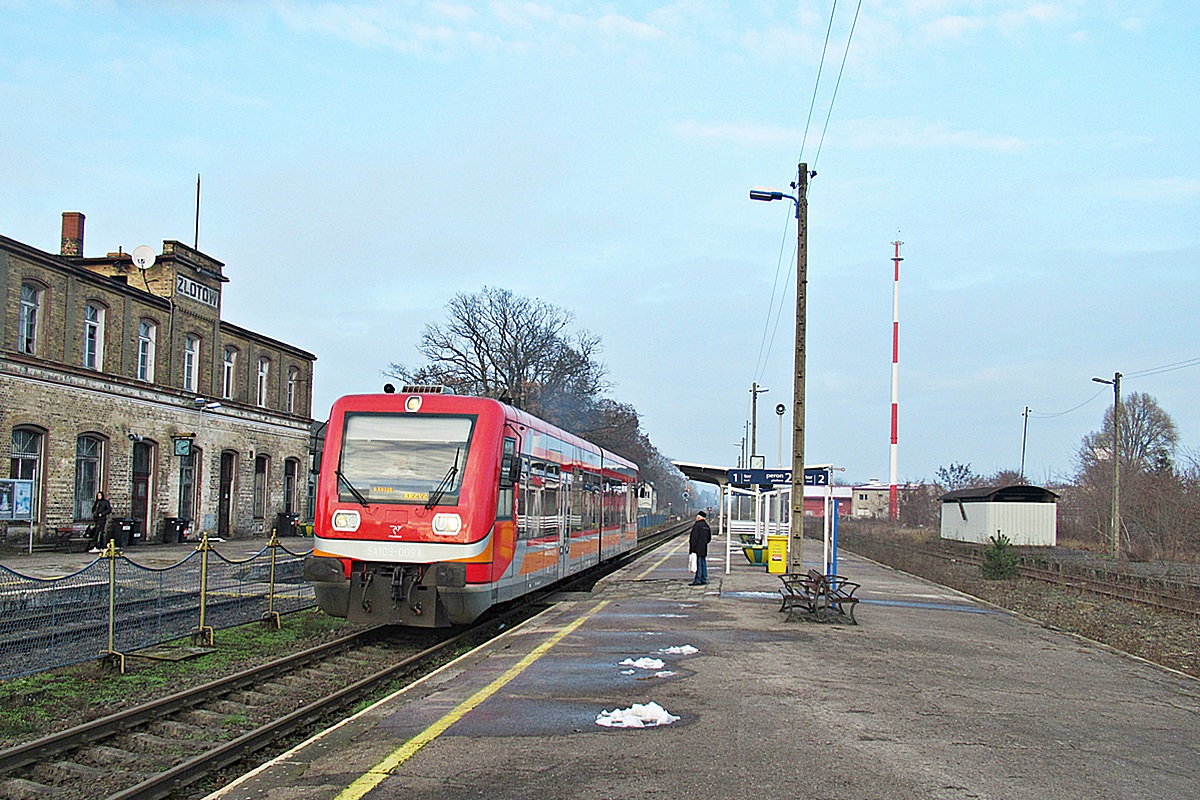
(698, 543)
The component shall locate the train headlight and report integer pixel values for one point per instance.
(346, 520)
(413, 403)
(447, 524)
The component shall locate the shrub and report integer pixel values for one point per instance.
(1000, 561)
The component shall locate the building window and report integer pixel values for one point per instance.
(27, 326)
(93, 337)
(191, 363)
(89, 451)
(228, 371)
(147, 341)
(187, 483)
(260, 486)
(25, 462)
(293, 379)
(291, 468)
(264, 368)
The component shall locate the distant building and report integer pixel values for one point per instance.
(1027, 515)
(870, 501)
(127, 381)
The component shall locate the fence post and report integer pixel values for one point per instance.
(114, 657)
(271, 616)
(203, 635)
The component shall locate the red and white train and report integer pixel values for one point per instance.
(432, 507)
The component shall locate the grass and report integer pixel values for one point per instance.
(34, 705)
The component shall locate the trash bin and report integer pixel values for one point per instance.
(285, 524)
(777, 554)
(175, 529)
(122, 531)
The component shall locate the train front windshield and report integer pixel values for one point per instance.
(388, 458)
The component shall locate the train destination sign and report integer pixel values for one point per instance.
(813, 476)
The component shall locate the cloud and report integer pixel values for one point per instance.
(438, 27)
(874, 133)
(746, 134)
(1173, 189)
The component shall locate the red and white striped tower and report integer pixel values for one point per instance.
(893, 494)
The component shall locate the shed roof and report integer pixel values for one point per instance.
(1020, 493)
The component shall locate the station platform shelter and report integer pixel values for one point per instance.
(649, 687)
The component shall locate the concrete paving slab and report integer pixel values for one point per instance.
(932, 695)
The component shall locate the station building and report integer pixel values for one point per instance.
(123, 378)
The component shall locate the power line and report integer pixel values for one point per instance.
(1041, 415)
(817, 82)
(833, 99)
(1191, 362)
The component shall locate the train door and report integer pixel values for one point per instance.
(564, 524)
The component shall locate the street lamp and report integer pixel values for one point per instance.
(1114, 520)
(800, 185)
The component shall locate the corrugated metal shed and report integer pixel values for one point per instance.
(1027, 515)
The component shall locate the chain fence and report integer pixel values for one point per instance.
(113, 607)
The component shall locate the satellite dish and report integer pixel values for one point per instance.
(143, 256)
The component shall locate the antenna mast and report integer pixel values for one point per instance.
(893, 494)
(196, 241)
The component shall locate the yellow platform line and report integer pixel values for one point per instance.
(381, 771)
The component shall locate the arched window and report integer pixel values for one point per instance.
(191, 363)
(27, 325)
(228, 373)
(89, 458)
(147, 343)
(293, 380)
(264, 369)
(291, 469)
(93, 336)
(26, 460)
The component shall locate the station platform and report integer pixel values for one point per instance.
(932, 695)
(48, 565)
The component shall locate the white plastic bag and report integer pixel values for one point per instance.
(692, 562)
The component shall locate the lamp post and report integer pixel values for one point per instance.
(755, 391)
(800, 185)
(1114, 520)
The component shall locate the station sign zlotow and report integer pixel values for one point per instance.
(813, 476)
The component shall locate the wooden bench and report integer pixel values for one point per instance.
(73, 539)
(819, 594)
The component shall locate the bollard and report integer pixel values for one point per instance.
(271, 616)
(203, 635)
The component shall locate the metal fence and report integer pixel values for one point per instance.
(113, 606)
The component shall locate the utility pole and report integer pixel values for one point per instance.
(1024, 438)
(800, 186)
(795, 554)
(1114, 520)
(754, 393)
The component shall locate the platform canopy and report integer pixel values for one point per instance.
(704, 473)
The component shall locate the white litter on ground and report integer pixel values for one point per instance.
(642, 663)
(629, 672)
(637, 716)
(680, 650)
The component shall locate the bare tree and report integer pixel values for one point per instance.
(1148, 437)
(498, 344)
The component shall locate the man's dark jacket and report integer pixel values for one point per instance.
(699, 538)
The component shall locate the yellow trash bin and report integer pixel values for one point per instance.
(777, 554)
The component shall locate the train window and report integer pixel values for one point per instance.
(510, 464)
(504, 503)
(389, 458)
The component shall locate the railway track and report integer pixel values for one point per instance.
(159, 749)
(1156, 593)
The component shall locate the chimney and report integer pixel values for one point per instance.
(72, 234)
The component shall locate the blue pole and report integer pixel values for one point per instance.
(831, 568)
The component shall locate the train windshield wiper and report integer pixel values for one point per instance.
(357, 494)
(445, 484)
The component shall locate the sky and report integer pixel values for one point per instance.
(364, 162)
